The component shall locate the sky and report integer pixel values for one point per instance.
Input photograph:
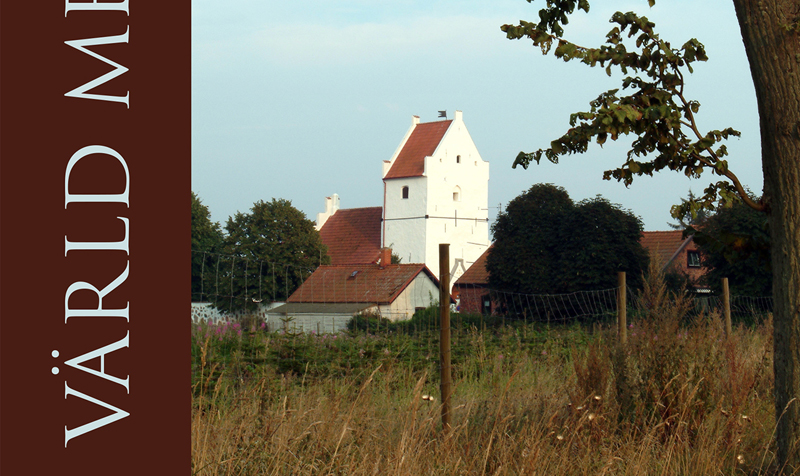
(300, 100)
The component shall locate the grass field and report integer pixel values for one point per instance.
(680, 398)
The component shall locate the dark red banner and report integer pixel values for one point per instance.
(94, 237)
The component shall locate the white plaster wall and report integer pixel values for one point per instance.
(316, 323)
(406, 236)
(463, 224)
(422, 292)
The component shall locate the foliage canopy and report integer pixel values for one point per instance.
(547, 244)
(206, 238)
(735, 244)
(655, 109)
(272, 250)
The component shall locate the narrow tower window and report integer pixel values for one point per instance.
(458, 159)
(405, 192)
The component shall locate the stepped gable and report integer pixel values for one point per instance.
(353, 236)
(424, 140)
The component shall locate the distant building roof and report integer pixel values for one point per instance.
(358, 283)
(410, 162)
(477, 273)
(664, 245)
(353, 236)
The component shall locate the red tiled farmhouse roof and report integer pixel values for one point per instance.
(353, 236)
(363, 283)
(477, 273)
(663, 245)
(424, 139)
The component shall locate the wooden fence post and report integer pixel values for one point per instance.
(444, 337)
(726, 306)
(622, 308)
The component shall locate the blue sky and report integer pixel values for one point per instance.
(300, 100)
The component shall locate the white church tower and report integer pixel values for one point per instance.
(436, 190)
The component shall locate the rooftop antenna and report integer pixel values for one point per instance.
(443, 114)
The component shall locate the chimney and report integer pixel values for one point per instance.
(386, 257)
(331, 206)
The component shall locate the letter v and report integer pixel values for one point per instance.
(101, 422)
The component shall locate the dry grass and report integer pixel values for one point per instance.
(680, 399)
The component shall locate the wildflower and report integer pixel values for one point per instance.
(386, 351)
(740, 459)
(591, 416)
(544, 352)
(428, 398)
(559, 437)
(500, 357)
(597, 398)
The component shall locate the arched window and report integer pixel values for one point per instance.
(405, 192)
(457, 194)
(458, 159)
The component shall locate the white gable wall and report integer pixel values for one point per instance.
(455, 167)
(420, 293)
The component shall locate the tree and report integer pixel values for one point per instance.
(206, 240)
(663, 122)
(735, 244)
(684, 214)
(547, 244)
(272, 250)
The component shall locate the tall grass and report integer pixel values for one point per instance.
(681, 398)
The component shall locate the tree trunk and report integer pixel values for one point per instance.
(771, 35)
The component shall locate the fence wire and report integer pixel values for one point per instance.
(241, 283)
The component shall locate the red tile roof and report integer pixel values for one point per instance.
(365, 283)
(353, 236)
(663, 245)
(477, 273)
(410, 162)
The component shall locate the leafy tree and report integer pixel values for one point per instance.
(547, 244)
(662, 120)
(272, 250)
(685, 216)
(206, 240)
(735, 244)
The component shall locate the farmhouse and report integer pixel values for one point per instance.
(436, 188)
(675, 253)
(471, 290)
(333, 294)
